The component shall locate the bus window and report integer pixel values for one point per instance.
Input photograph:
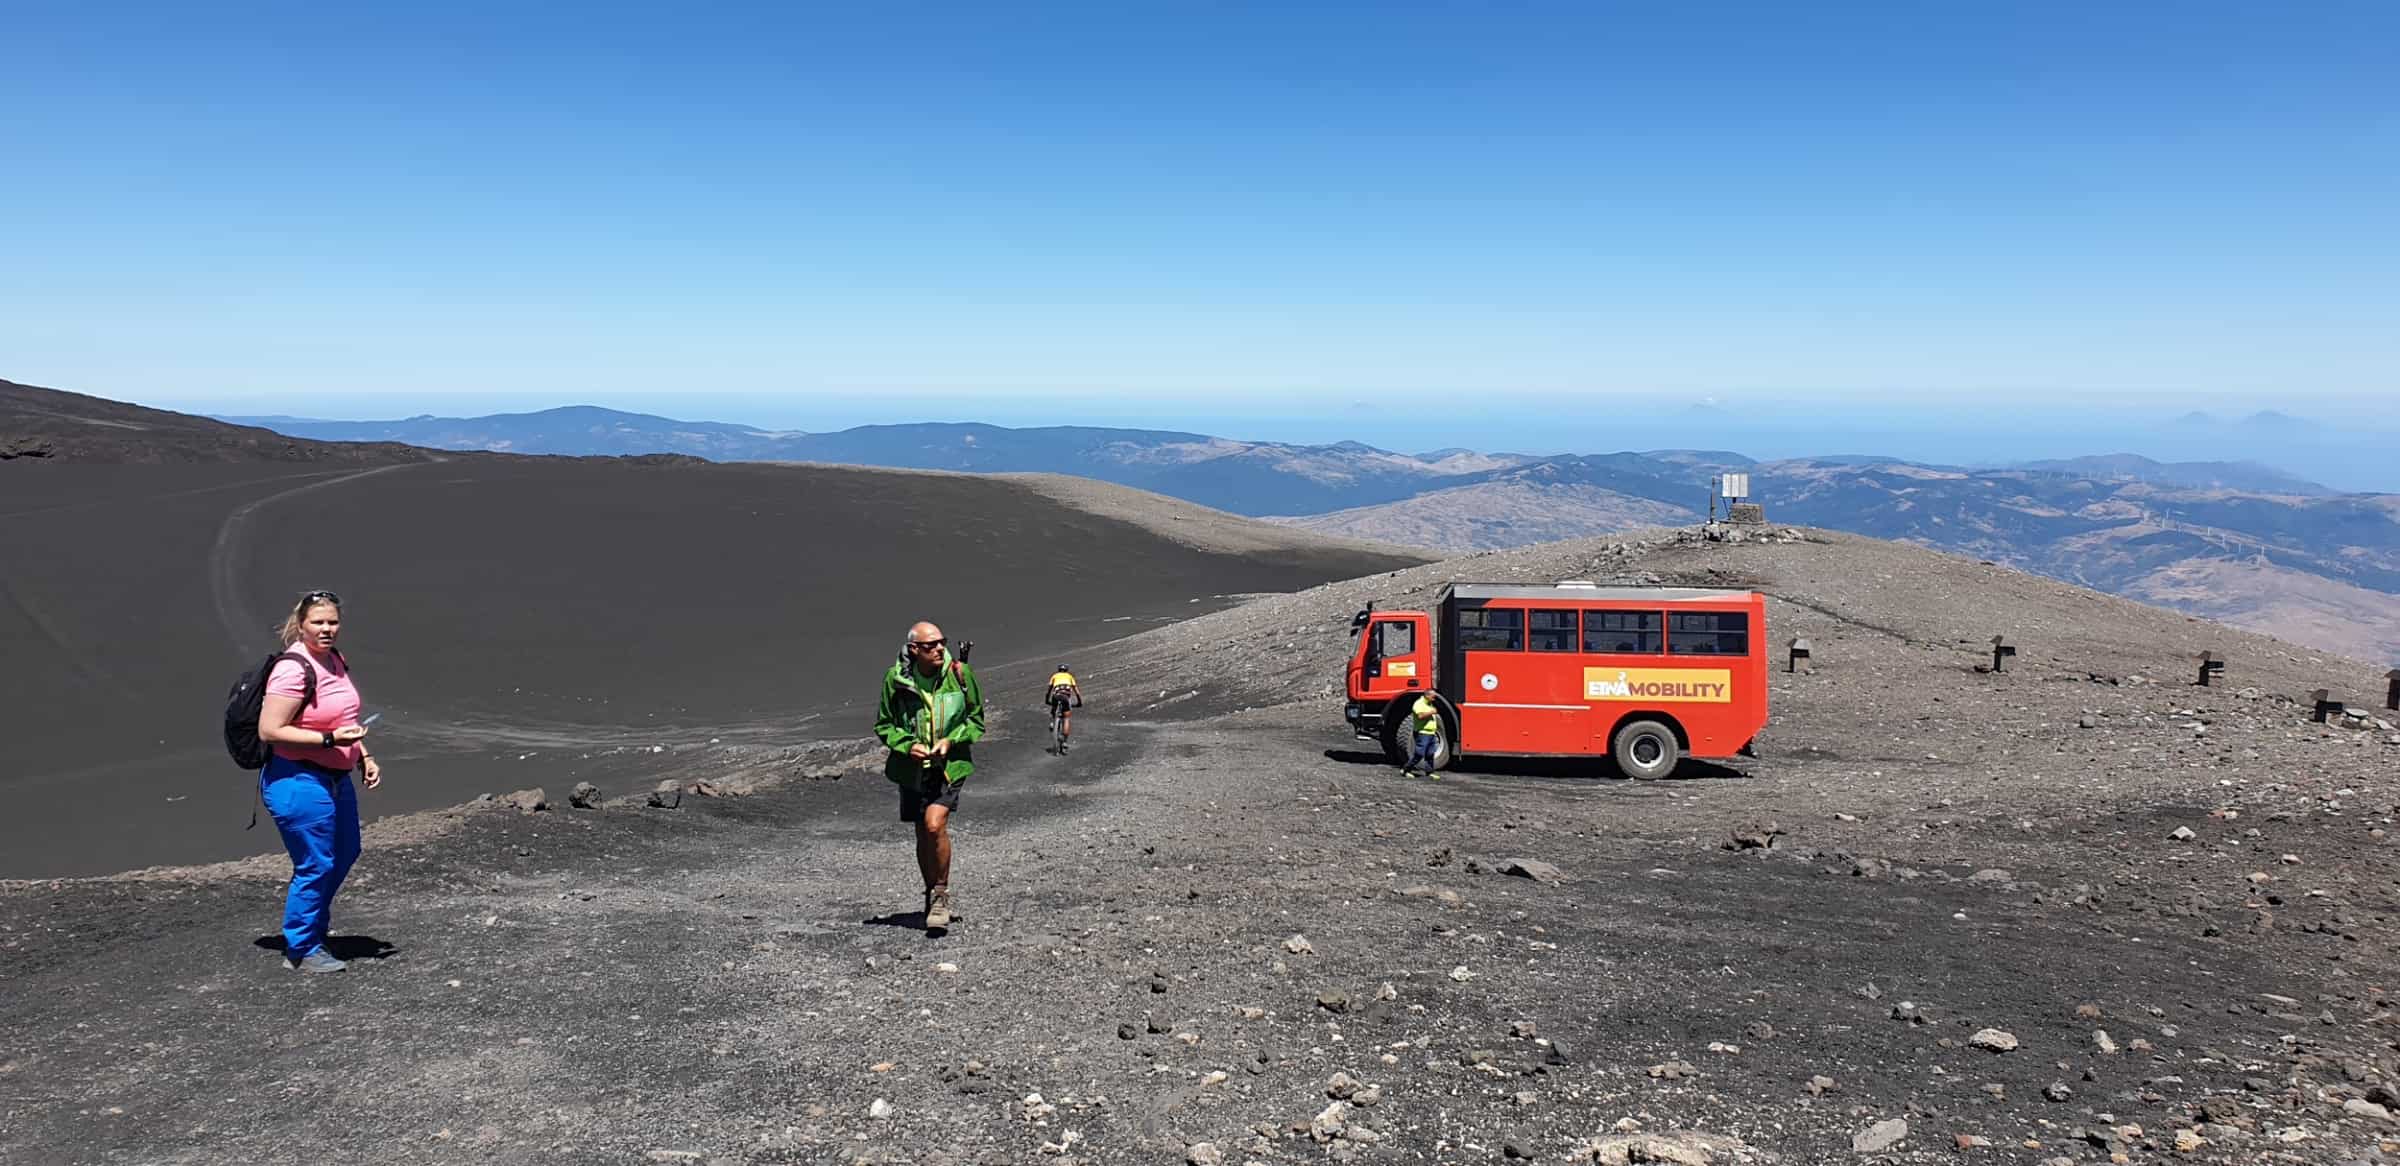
(1709, 633)
(1490, 629)
(1622, 631)
(1395, 638)
(1550, 631)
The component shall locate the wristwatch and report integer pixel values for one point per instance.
(329, 738)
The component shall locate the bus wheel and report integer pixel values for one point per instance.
(1444, 751)
(1396, 742)
(1400, 737)
(1645, 750)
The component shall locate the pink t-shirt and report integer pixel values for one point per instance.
(337, 705)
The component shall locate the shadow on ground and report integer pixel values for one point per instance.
(343, 947)
(1556, 768)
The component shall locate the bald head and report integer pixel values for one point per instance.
(925, 647)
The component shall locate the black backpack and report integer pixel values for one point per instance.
(243, 703)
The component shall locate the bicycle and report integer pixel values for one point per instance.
(1059, 704)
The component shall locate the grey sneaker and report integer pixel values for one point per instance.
(937, 907)
(319, 960)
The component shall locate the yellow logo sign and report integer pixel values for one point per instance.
(1400, 668)
(1690, 685)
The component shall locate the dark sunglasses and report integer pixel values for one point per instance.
(927, 643)
(316, 597)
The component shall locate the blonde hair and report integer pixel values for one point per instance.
(295, 624)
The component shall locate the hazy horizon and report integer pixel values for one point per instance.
(2333, 450)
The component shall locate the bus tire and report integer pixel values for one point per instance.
(1400, 738)
(1645, 750)
(1395, 749)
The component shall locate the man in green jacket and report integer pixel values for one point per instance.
(930, 717)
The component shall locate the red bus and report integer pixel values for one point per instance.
(1643, 675)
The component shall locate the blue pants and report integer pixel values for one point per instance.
(1426, 744)
(317, 812)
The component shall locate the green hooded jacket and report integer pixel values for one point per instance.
(918, 711)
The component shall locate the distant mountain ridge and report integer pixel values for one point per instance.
(1250, 478)
(2240, 542)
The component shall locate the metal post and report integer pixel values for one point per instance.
(2211, 665)
(1801, 656)
(2001, 650)
(2322, 706)
(2391, 696)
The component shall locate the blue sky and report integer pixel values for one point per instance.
(1202, 214)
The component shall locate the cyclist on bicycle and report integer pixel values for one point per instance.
(1064, 695)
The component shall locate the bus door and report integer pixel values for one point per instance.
(1398, 656)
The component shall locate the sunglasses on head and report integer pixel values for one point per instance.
(316, 597)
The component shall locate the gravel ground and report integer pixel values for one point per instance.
(2074, 910)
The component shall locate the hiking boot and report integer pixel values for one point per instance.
(937, 907)
(319, 960)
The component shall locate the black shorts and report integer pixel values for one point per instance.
(931, 790)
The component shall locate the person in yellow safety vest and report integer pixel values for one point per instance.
(1063, 697)
(1426, 719)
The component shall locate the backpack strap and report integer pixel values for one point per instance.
(308, 676)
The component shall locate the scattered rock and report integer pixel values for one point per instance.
(1527, 868)
(1203, 1154)
(528, 800)
(881, 1110)
(1673, 1071)
(1881, 1136)
(1333, 1002)
(1754, 837)
(585, 796)
(1329, 1122)
(1994, 1040)
(2361, 1107)
(1820, 1085)
(2182, 834)
(1675, 1148)
(1342, 1087)
(1299, 945)
(667, 796)
(2057, 1091)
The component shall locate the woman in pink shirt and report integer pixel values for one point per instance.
(310, 715)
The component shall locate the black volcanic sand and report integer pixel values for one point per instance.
(518, 622)
(742, 981)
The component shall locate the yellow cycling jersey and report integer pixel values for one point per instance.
(1062, 680)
